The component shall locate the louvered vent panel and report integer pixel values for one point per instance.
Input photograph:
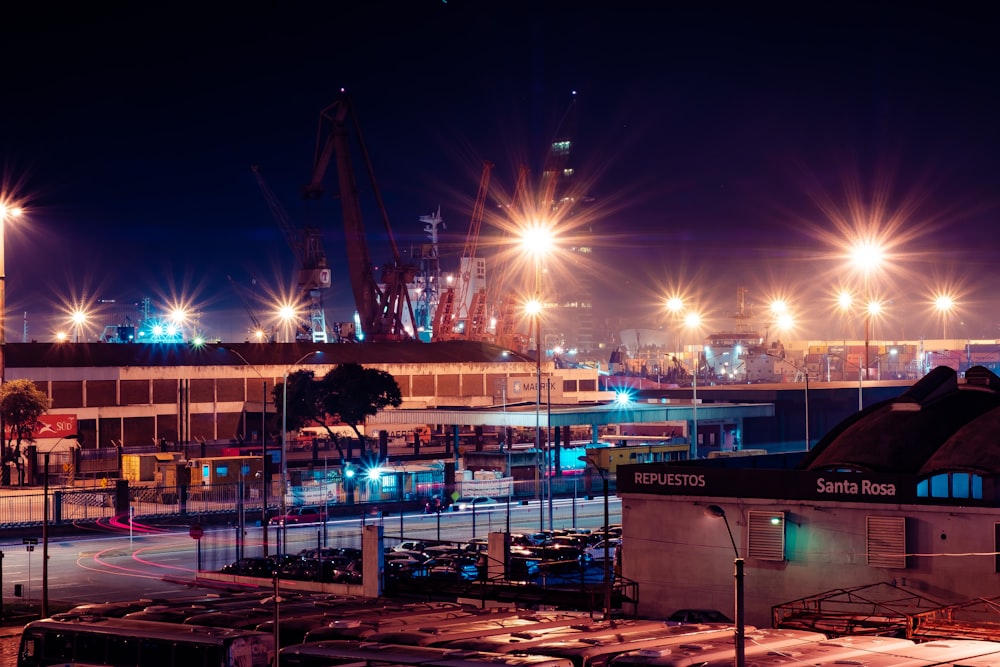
(886, 541)
(766, 535)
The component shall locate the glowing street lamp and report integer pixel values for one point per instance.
(79, 319)
(944, 304)
(7, 212)
(867, 256)
(287, 314)
(675, 306)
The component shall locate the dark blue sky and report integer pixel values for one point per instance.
(720, 144)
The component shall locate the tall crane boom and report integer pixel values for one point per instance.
(314, 273)
(380, 306)
(461, 318)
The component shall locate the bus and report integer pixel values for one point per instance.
(852, 650)
(363, 627)
(527, 641)
(699, 651)
(957, 652)
(366, 654)
(481, 628)
(118, 642)
(599, 651)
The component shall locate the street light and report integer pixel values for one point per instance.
(867, 256)
(717, 512)
(7, 212)
(538, 240)
(263, 448)
(607, 535)
(693, 321)
(284, 448)
(944, 305)
(287, 313)
(45, 522)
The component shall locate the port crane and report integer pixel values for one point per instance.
(380, 304)
(462, 310)
(314, 274)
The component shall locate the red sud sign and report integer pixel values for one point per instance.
(55, 426)
(196, 532)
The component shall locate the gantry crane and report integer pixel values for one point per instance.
(380, 305)
(314, 273)
(501, 294)
(465, 311)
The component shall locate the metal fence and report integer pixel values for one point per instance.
(24, 506)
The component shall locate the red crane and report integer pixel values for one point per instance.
(460, 317)
(380, 305)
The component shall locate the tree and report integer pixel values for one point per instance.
(349, 394)
(21, 405)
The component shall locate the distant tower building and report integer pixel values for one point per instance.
(574, 299)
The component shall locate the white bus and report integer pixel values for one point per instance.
(855, 650)
(365, 654)
(118, 642)
(699, 651)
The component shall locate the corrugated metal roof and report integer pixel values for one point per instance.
(598, 415)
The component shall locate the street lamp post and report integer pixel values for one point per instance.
(284, 447)
(263, 449)
(693, 320)
(607, 535)
(7, 212)
(45, 522)
(717, 512)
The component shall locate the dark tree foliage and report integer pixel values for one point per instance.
(21, 405)
(349, 394)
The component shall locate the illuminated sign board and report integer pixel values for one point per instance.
(54, 426)
(784, 484)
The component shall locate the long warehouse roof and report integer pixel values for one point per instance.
(577, 415)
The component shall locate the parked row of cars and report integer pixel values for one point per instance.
(559, 556)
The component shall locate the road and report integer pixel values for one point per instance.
(160, 563)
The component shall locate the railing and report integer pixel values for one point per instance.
(99, 499)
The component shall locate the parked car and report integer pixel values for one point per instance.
(468, 503)
(596, 552)
(305, 514)
(452, 568)
(410, 545)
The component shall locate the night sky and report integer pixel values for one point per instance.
(723, 147)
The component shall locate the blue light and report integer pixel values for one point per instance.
(623, 398)
(374, 474)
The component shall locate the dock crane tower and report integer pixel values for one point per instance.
(462, 309)
(314, 273)
(380, 305)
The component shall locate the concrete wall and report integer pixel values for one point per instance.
(681, 557)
